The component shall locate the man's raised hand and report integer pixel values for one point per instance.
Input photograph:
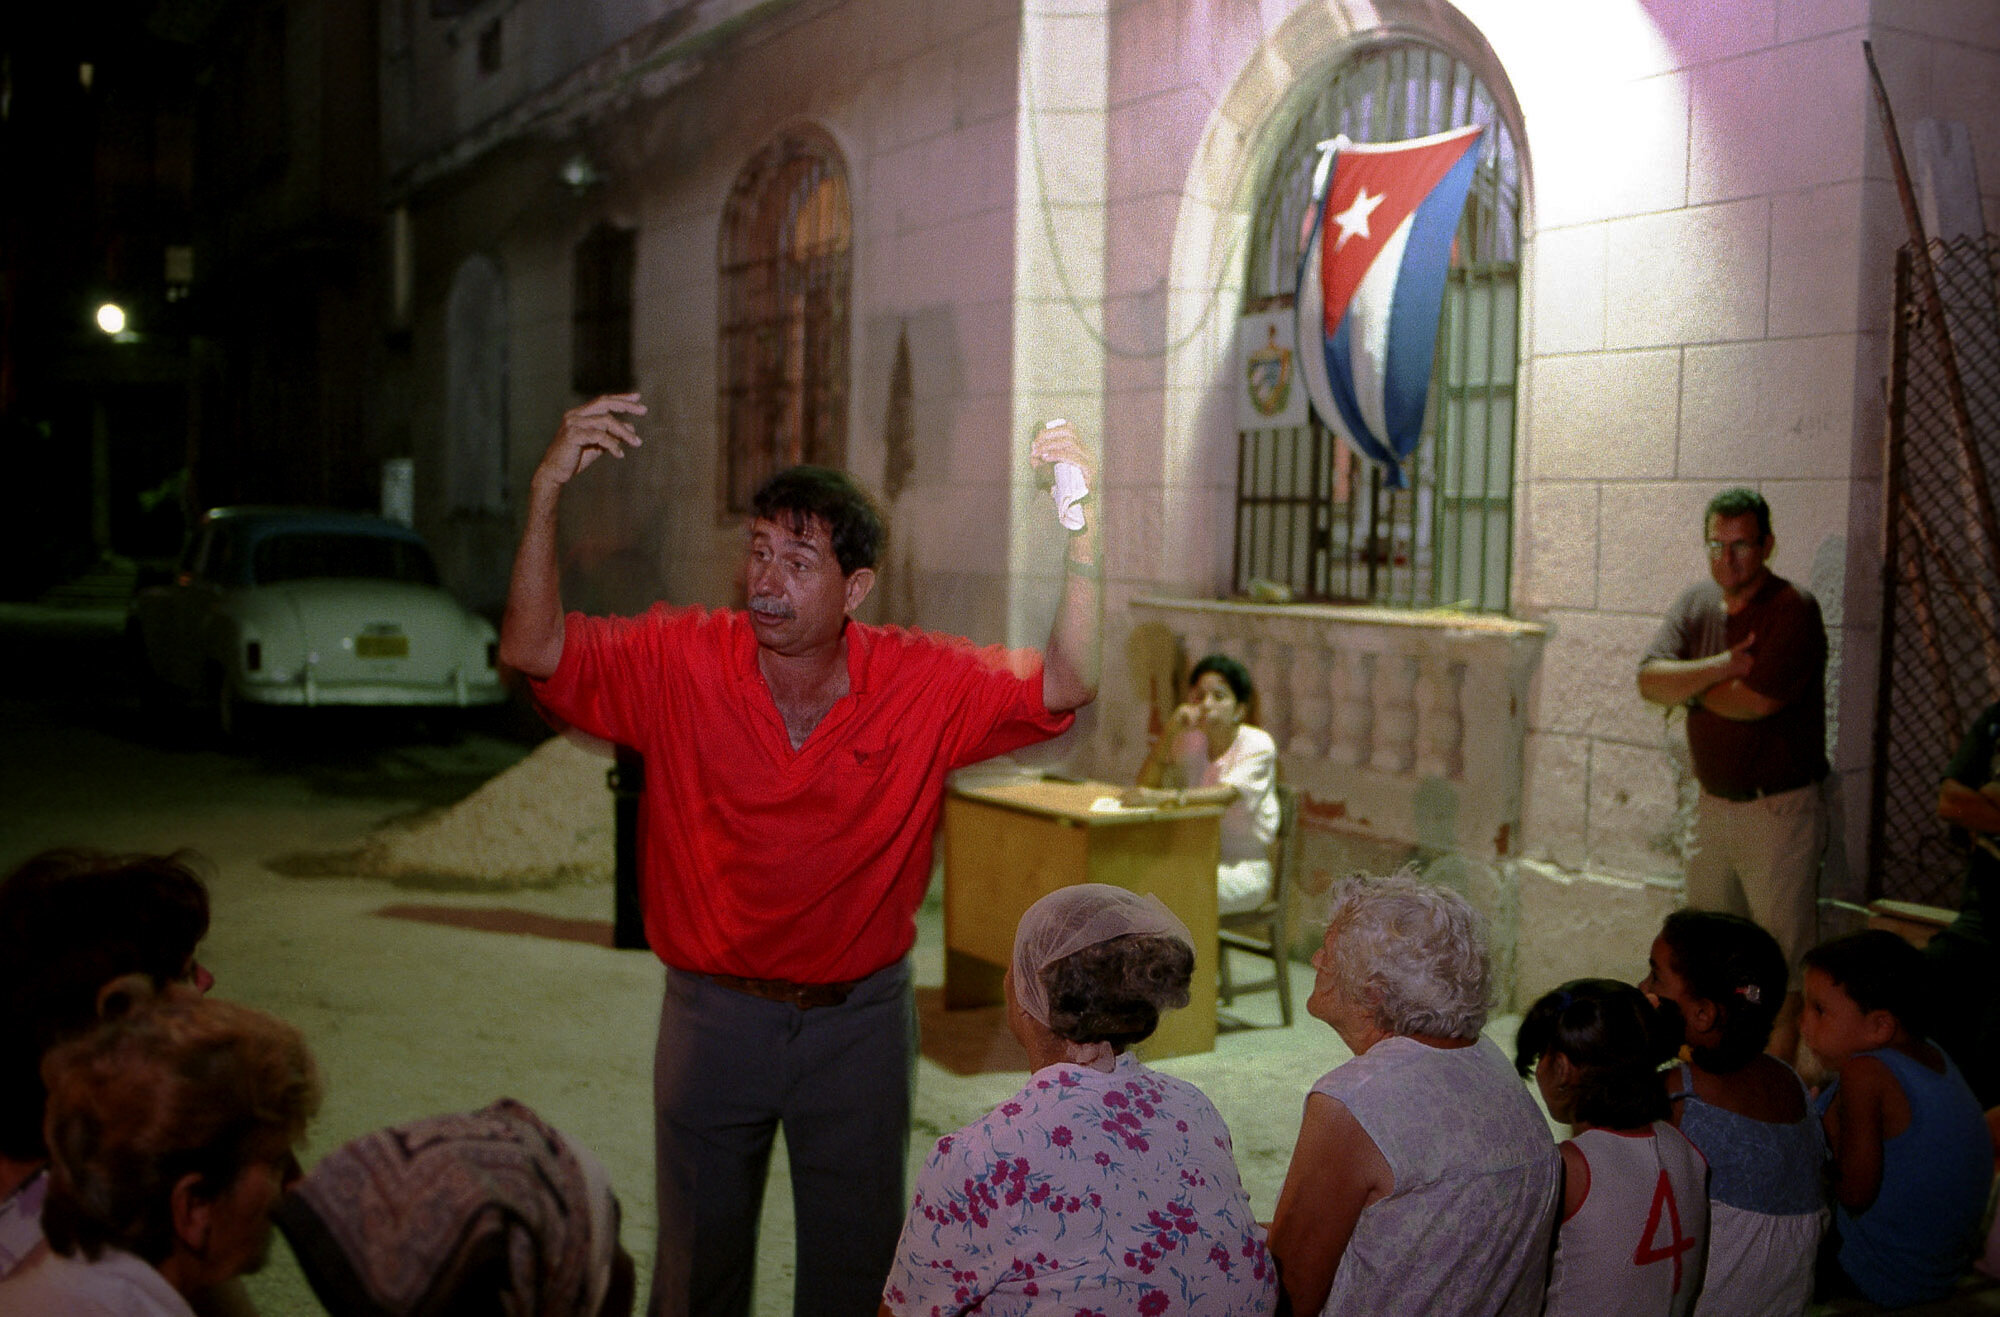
(588, 433)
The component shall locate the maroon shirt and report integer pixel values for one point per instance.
(1739, 760)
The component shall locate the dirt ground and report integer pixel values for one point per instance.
(419, 1001)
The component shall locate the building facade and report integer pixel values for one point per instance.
(896, 236)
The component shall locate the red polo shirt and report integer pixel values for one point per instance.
(768, 862)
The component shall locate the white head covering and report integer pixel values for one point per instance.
(1071, 918)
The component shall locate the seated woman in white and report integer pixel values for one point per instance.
(1209, 754)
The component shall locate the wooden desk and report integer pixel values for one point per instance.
(1008, 845)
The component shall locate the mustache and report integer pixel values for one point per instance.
(775, 609)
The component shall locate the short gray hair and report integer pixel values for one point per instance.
(1411, 953)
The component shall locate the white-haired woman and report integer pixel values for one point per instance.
(1101, 1186)
(1424, 1179)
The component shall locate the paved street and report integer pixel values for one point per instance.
(413, 1017)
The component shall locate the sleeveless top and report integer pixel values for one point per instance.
(1756, 1165)
(1638, 1244)
(1911, 1244)
(1478, 1183)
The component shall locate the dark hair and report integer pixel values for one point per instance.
(1611, 1034)
(1740, 502)
(1736, 966)
(185, 1087)
(1879, 972)
(72, 921)
(797, 497)
(1114, 991)
(1227, 668)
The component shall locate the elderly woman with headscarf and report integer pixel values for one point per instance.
(1102, 1185)
(492, 1211)
(170, 1138)
(1424, 1178)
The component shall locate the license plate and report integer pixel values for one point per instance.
(381, 647)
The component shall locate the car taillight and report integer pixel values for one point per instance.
(253, 656)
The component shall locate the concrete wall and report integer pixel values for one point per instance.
(1052, 210)
(921, 100)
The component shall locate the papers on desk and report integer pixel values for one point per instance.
(1106, 805)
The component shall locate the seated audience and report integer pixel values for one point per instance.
(1634, 1232)
(1912, 1159)
(1961, 955)
(1102, 1186)
(73, 924)
(490, 1212)
(1209, 754)
(1718, 980)
(170, 1136)
(1424, 1179)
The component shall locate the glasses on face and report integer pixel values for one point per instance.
(1732, 548)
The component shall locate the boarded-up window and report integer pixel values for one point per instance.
(785, 272)
(601, 312)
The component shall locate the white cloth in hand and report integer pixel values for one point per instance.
(1069, 493)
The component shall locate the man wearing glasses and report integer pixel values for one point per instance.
(1745, 652)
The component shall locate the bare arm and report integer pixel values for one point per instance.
(1676, 681)
(1855, 1129)
(1075, 653)
(1160, 770)
(1336, 1171)
(1975, 811)
(531, 630)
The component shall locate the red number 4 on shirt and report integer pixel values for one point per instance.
(1677, 1244)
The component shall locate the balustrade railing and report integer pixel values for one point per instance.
(1404, 728)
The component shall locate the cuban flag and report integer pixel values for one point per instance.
(1371, 286)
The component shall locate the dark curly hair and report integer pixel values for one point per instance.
(1611, 1034)
(797, 497)
(1879, 972)
(1736, 966)
(1114, 991)
(1233, 674)
(71, 922)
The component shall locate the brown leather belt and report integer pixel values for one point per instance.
(805, 996)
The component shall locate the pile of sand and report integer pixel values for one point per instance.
(544, 822)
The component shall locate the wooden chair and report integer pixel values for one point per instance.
(1266, 931)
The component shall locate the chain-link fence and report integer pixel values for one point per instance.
(1941, 575)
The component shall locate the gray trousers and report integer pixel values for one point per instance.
(729, 1069)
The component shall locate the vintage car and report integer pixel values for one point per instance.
(276, 606)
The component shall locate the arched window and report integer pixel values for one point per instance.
(1311, 514)
(476, 388)
(786, 267)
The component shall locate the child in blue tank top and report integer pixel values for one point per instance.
(1912, 1160)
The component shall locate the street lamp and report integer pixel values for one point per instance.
(111, 319)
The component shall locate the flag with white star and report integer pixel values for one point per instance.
(1371, 286)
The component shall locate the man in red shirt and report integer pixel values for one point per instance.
(795, 771)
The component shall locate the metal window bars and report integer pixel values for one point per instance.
(1311, 514)
(786, 266)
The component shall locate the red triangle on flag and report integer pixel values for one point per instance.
(1395, 178)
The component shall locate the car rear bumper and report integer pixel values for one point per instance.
(314, 694)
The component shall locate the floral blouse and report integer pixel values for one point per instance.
(1085, 1194)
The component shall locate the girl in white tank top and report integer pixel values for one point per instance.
(1633, 1240)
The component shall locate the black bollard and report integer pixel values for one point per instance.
(627, 780)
